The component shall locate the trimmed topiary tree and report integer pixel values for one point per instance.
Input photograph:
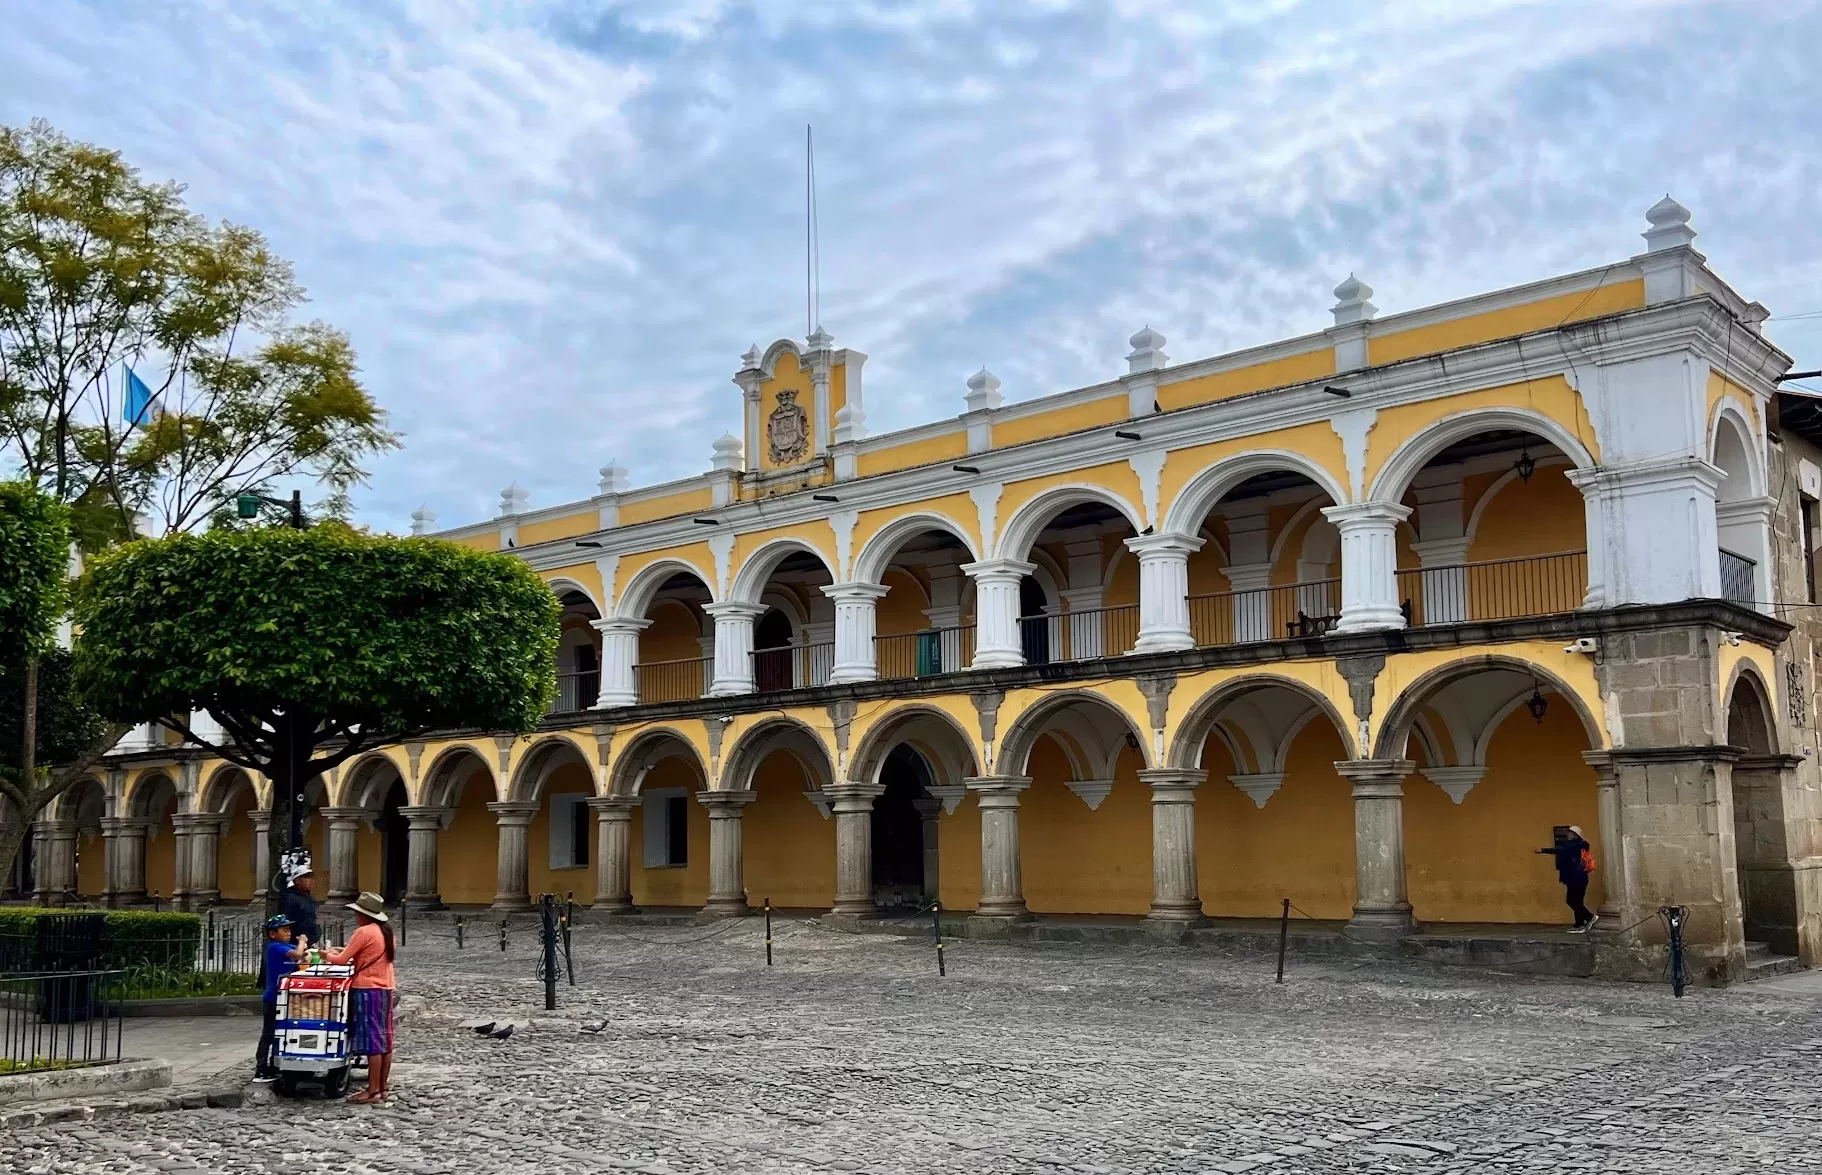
(313, 647)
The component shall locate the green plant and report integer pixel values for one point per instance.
(164, 983)
(134, 938)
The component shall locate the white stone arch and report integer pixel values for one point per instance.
(798, 739)
(769, 362)
(756, 570)
(946, 748)
(544, 756)
(1265, 741)
(365, 782)
(69, 803)
(1549, 461)
(1030, 519)
(223, 785)
(1409, 459)
(1729, 429)
(636, 598)
(1097, 727)
(563, 585)
(1425, 691)
(1203, 492)
(786, 602)
(877, 552)
(151, 787)
(647, 749)
(443, 784)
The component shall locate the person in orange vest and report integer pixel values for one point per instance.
(1574, 866)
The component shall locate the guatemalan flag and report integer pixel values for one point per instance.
(138, 406)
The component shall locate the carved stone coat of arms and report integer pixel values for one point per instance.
(787, 430)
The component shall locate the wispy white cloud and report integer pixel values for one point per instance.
(552, 229)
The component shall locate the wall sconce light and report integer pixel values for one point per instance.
(1526, 465)
(1537, 703)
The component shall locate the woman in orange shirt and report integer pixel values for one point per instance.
(373, 998)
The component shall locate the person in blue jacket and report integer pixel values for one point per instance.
(1574, 865)
(281, 959)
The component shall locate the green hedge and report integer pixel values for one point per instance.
(134, 938)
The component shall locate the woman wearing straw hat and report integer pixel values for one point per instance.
(372, 996)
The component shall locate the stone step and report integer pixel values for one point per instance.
(1762, 964)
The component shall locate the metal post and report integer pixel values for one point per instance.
(569, 915)
(404, 919)
(936, 920)
(1284, 934)
(768, 932)
(547, 916)
(458, 932)
(502, 936)
(209, 951)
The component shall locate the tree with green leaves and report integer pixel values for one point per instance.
(102, 271)
(313, 647)
(48, 738)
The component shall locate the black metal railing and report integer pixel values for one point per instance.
(59, 1019)
(1265, 614)
(1079, 634)
(793, 666)
(576, 691)
(673, 681)
(1495, 589)
(924, 653)
(1737, 579)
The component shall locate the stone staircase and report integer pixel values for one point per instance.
(1762, 964)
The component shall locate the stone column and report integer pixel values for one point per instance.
(1175, 896)
(344, 826)
(1612, 859)
(1632, 505)
(931, 810)
(733, 647)
(1772, 863)
(1002, 890)
(512, 891)
(54, 861)
(181, 826)
(1381, 909)
(613, 853)
(124, 842)
(619, 653)
(727, 888)
(855, 603)
(424, 833)
(262, 857)
(852, 803)
(205, 859)
(996, 612)
(1163, 591)
(1369, 564)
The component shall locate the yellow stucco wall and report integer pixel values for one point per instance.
(1504, 324)
(789, 376)
(1058, 421)
(569, 779)
(1543, 516)
(236, 851)
(566, 527)
(1550, 397)
(948, 446)
(1223, 385)
(466, 857)
(790, 848)
(91, 865)
(1080, 861)
(690, 501)
(687, 885)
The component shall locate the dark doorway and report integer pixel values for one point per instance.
(772, 652)
(395, 845)
(588, 676)
(898, 831)
(1034, 625)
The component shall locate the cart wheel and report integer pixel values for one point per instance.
(335, 1084)
(287, 1084)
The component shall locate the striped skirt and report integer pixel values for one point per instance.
(370, 1021)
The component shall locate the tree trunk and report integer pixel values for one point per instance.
(290, 772)
(34, 794)
(11, 837)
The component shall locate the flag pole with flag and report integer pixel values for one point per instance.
(137, 407)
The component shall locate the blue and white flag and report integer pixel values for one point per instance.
(137, 408)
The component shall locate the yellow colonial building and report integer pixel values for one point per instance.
(1355, 619)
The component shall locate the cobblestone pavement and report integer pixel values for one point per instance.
(852, 1054)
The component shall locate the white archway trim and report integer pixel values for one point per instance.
(1728, 413)
(1316, 533)
(1394, 477)
(562, 585)
(1501, 482)
(1029, 521)
(636, 598)
(1205, 490)
(757, 568)
(877, 553)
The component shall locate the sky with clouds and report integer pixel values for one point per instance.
(553, 227)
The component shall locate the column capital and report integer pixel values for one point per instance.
(514, 812)
(1172, 779)
(1164, 546)
(989, 570)
(615, 806)
(425, 816)
(620, 624)
(725, 803)
(735, 610)
(856, 592)
(997, 791)
(192, 820)
(1376, 777)
(345, 816)
(1602, 762)
(1450, 552)
(129, 825)
(1361, 514)
(852, 795)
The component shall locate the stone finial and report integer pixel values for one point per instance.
(514, 499)
(983, 391)
(1147, 351)
(750, 360)
(850, 424)
(820, 339)
(423, 521)
(1351, 303)
(1669, 226)
(730, 453)
(613, 478)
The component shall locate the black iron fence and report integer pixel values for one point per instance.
(1265, 614)
(59, 1019)
(925, 653)
(1496, 589)
(1737, 578)
(673, 681)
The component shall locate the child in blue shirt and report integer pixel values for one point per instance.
(281, 960)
